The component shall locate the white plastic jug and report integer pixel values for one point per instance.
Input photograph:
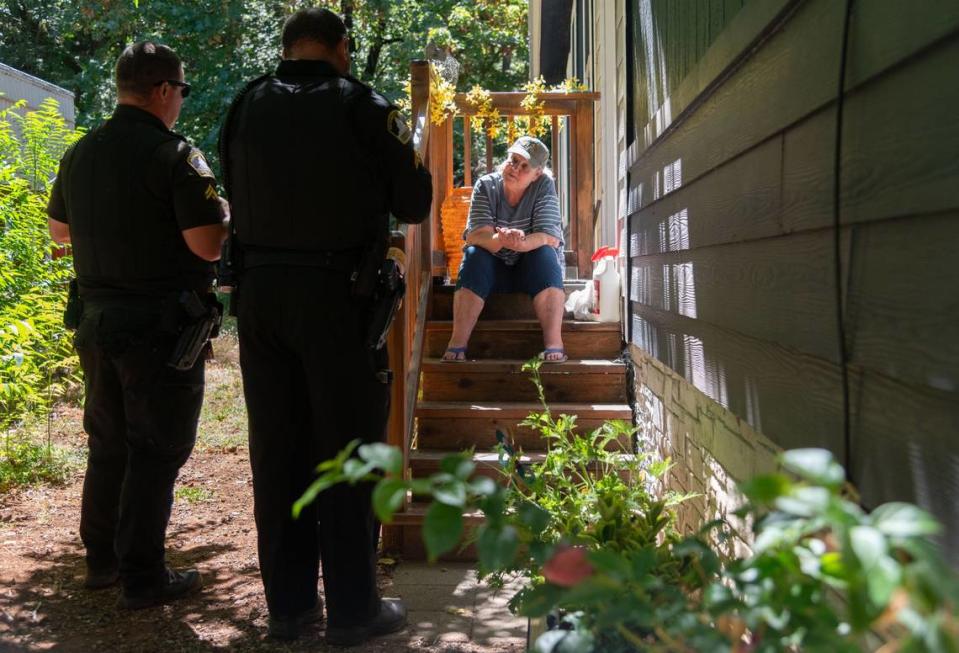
(605, 285)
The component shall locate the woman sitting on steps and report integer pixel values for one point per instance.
(514, 243)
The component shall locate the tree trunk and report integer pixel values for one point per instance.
(346, 9)
(376, 47)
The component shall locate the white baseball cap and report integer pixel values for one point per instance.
(531, 149)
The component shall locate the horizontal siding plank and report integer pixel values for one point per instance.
(891, 167)
(901, 138)
(784, 81)
(792, 398)
(904, 300)
(883, 32)
(777, 289)
(779, 85)
(904, 444)
(896, 161)
(808, 172)
(738, 201)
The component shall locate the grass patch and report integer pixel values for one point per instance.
(25, 461)
(223, 421)
(192, 494)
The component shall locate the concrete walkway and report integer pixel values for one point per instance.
(447, 605)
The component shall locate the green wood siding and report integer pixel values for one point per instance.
(674, 35)
(731, 236)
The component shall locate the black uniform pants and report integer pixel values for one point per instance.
(140, 416)
(311, 387)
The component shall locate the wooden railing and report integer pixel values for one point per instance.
(406, 336)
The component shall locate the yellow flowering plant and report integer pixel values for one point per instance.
(487, 117)
(536, 121)
(442, 97)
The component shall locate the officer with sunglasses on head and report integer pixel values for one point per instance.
(140, 207)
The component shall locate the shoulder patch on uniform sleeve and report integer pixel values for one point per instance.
(198, 163)
(398, 127)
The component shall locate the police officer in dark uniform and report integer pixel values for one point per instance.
(139, 205)
(314, 163)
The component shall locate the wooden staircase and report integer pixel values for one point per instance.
(437, 407)
(461, 405)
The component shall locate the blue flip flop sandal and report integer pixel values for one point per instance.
(456, 351)
(553, 350)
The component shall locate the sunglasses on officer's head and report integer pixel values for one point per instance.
(184, 87)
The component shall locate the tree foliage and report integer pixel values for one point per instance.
(74, 43)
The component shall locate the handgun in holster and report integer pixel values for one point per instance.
(74, 308)
(202, 322)
(380, 279)
(387, 299)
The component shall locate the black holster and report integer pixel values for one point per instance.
(73, 311)
(202, 323)
(365, 281)
(387, 299)
(228, 270)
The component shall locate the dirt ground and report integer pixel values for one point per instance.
(43, 605)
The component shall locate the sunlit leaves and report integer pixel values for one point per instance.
(815, 465)
(442, 529)
(904, 520)
(388, 496)
(37, 363)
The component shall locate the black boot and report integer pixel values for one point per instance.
(176, 585)
(101, 579)
(391, 618)
(288, 628)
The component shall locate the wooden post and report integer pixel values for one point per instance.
(448, 126)
(396, 424)
(584, 183)
(553, 142)
(572, 187)
(441, 168)
(467, 155)
(489, 154)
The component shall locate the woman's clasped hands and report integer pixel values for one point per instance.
(514, 239)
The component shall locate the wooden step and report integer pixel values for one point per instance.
(424, 462)
(524, 338)
(499, 306)
(454, 426)
(406, 531)
(575, 381)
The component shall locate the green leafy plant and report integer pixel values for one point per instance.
(37, 362)
(591, 529)
(824, 573)
(24, 461)
(192, 494)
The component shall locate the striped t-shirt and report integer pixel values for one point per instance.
(537, 211)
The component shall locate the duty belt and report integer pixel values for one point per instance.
(342, 260)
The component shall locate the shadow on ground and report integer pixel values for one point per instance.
(49, 610)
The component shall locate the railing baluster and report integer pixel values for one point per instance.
(467, 155)
(489, 154)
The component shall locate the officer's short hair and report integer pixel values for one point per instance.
(143, 64)
(315, 24)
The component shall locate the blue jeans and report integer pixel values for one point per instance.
(484, 273)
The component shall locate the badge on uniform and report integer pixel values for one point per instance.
(398, 127)
(198, 163)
